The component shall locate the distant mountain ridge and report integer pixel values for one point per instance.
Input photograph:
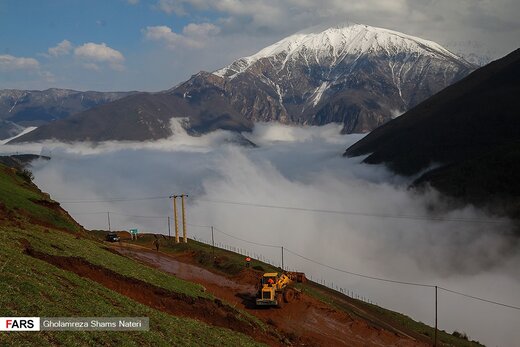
(356, 75)
(23, 108)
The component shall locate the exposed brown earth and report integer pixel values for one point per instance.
(305, 321)
(212, 312)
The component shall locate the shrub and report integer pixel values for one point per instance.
(26, 174)
(462, 335)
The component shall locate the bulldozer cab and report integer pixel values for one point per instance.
(267, 293)
(269, 279)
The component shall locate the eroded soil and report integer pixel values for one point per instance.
(306, 321)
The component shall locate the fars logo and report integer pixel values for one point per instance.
(19, 323)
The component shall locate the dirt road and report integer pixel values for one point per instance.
(305, 321)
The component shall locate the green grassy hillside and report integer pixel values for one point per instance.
(35, 254)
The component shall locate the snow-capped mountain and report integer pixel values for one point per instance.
(331, 46)
(357, 75)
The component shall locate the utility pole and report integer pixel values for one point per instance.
(174, 197)
(169, 236)
(108, 215)
(435, 338)
(282, 257)
(184, 236)
(213, 242)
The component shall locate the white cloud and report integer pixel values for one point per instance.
(193, 35)
(93, 53)
(161, 33)
(202, 30)
(10, 63)
(62, 48)
(493, 22)
(23, 73)
(171, 6)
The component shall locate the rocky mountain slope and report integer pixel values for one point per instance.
(356, 75)
(471, 130)
(23, 108)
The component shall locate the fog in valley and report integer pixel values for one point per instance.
(348, 215)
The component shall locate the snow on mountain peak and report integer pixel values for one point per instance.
(335, 43)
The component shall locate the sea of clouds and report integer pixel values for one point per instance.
(370, 221)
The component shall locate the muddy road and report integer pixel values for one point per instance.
(306, 321)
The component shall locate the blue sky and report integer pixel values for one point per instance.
(154, 44)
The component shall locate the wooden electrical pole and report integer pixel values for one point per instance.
(435, 338)
(184, 231)
(282, 257)
(174, 197)
(213, 242)
(108, 215)
(169, 236)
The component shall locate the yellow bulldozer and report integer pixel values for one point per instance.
(276, 289)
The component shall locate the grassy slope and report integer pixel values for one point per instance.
(31, 287)
(231, 263)
(28, 204)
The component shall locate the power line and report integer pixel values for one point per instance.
(373, 277)
(247, 241)
(86, 213)
(113, 200)
(199, 226)
(365, 214)
(301, 209)
(118, 214)
(359, 274)
(137, 216)
(481, 299)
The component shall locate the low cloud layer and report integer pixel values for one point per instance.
(464, 249)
